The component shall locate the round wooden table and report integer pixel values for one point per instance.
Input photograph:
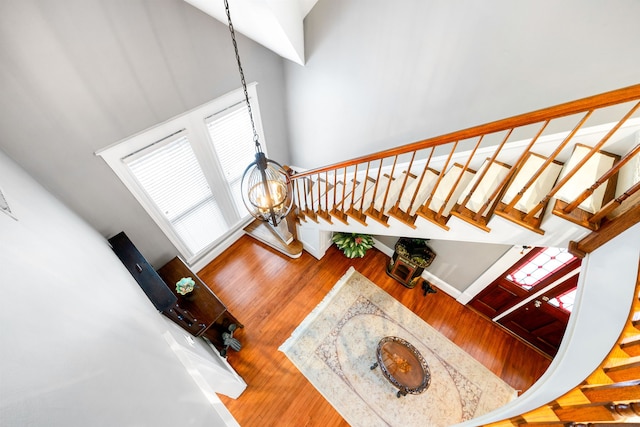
(402, 365)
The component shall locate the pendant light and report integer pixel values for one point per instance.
(266, 187)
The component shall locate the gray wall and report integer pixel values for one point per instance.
(384, 73)
(457, 263)
(461, 263)
(79, 75)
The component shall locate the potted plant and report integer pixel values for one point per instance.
(353, 244)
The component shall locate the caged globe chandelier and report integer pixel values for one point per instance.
(266, 187)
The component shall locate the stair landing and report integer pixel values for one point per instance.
(263, 233)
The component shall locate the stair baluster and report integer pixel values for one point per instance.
(571, 173)
(426, 193)
(589, 191)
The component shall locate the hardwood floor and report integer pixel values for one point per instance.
(271, 294)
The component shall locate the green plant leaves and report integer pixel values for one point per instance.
(354, 245)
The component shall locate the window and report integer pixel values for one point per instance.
(229, 132)
(186, 172)
(565, 300)
(540, 267)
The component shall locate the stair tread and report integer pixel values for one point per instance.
(394, 192)
(426, 185)
(538, 189)
(586, 412)
(626, 390)
(622, 363)
(367, 199)
(590, 172)
(487, 182)
(632, 340)
(444, 188)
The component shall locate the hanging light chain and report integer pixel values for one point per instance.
(242, 80)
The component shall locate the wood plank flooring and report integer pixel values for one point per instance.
(271, 294)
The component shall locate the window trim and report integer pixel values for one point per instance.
(194, 124)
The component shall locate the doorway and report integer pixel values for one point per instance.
(534, 298)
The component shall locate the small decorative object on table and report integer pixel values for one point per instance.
(353, 244)
(185, 285)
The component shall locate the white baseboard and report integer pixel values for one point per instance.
(441, 284)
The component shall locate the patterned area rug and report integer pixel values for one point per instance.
(335, 346)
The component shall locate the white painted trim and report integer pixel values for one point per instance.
(222, 246)
(441, 284)
(513, 255)
(383, 248)
(194, 122)
(537, 294)
(315, 241)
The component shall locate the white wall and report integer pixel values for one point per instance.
(80, 343)
(384, 73)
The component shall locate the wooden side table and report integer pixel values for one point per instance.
(402, 365)
(409, 260)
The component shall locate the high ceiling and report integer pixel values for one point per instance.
(275, 24)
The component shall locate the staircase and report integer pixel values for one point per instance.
(609, 396)
(522, 180)
(525, 180)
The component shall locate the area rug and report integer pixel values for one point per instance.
(335, 347)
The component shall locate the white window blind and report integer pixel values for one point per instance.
(232, 138)
(171, 176)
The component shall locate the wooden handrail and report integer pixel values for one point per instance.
(615, 217)
(362, 200)
(608, 231)
(574, 107)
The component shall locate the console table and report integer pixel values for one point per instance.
(200, 312)
(209, 317)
